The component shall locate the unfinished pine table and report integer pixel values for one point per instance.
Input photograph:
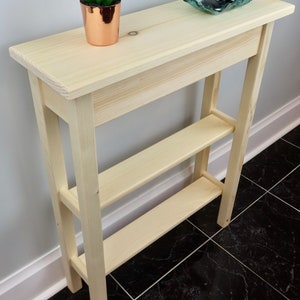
(160, 50)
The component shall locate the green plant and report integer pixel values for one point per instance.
(101, 2)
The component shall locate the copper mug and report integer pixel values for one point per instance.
(101, 23)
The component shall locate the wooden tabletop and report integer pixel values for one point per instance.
(73, 68)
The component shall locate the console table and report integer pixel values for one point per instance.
(160, 50)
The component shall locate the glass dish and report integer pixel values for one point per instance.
(216, 6)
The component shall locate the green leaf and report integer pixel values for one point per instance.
(100, 2)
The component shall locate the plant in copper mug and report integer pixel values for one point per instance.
(100, 2)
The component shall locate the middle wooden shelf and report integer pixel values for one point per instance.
(130, 174)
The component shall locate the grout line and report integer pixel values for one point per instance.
(218, 231)
(209, 237)
(279, 181)
(120, 285)
(248, 268)
(268, 191)
(172, 269)
(197, 228)
(288, 204)
(255, 201)
(254, 182)
(290, 143)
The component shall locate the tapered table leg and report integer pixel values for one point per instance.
(82, 132)
(248, 102)
(50, 135)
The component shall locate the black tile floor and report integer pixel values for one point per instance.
(256, 257)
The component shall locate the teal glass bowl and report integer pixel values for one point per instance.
(216, 6)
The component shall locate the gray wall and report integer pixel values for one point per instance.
(27, 228)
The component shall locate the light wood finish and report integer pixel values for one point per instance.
(248, 102)
(53, 154)
(209, 102)
(152, 225)
(139, 169)
(166, 33)
(136, 91)
(131, 93)
(56, 102)
(87, 86)
(82, 135)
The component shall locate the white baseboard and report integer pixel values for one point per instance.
(262, 135)
(44, 277)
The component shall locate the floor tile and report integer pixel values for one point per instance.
(271, 165)
(293, 136)
(113, 290)
(210, 274)
(289, 189)
(266, 238)
(206, 218)
(149, 265)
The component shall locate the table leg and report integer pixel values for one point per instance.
(253, 78)
(82, 132)
(209, 102)
(50, 135)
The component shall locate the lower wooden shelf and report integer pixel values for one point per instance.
(141, 168)
(131, 239)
